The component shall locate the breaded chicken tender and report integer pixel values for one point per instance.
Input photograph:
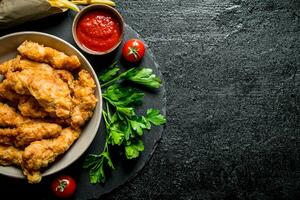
(84, 99)
(57, 59)
(6, 93)
(7, 136)
(41, 153)
(10, 156)
(29, 107)
(51, 92)
(36, 131)
(9, 65)
(26, 133)
(9, 117)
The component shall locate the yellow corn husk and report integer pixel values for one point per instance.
(86, 2)
(64, 4)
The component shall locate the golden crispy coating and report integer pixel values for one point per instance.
(6, 93)
(65, 76)
(18, 81)
(84, 99)
(40, 154)
(10, 155)
(8, 135)
(31, 132)
(39, 53)
(29, 107)
(9, 65)
(26, 133)
(9, 117)
(51, 92)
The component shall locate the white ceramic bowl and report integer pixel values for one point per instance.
(8, 50)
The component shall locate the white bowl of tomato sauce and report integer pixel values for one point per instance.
(98, 29)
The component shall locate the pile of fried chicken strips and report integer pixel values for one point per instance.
(45, 100)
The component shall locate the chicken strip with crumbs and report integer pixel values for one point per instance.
(84, 99)
(40, 53)
(9, 117)
(26, 133)
(40, 154)
(10, 156)
(9, 65)
(50, 91)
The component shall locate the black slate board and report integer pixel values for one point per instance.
(60, 26)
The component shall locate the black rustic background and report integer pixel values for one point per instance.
(232, 77)
(231, 70)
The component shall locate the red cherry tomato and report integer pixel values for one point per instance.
(63, 186)
(133, 50)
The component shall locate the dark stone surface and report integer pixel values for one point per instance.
(232, 78)
(231, 69)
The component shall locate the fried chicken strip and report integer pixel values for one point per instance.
(6, 93)
(36, 131)
(51, 92)
(9, 117)
(7, 136)
(23, 135)
(10, 155)
(29, 107)
(84, 99)
(57, 59)
(9, 65)
(40, 154)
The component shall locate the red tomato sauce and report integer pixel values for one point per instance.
(98, 31)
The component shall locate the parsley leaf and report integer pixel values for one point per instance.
(124, 127)
(116, 137)
(143, 76)
(155, 118)
(96, 165)
(129, 112)
(110, 73)
(119, 95)
(133, 150)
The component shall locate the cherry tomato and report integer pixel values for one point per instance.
(63, 186)
(133, 50)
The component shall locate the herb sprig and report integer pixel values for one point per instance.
(124, 127)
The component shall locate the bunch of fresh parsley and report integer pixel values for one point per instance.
(123, 126)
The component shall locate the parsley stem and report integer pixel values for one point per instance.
(108, 111)
(112, 81)
(107, 131)
(117, 78)
(105, 118)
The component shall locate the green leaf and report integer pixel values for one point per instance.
(137, 126)
(91, 160)
(109, 162)
(127, 130)
(133, 150)
(96, 165)
(97, 174)
(146, 123)
(118, 95)
(110, 73)
(116, 137)
(143, 76)
(129, 112)
(155, 117)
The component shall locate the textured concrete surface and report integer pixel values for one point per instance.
(232, 76)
